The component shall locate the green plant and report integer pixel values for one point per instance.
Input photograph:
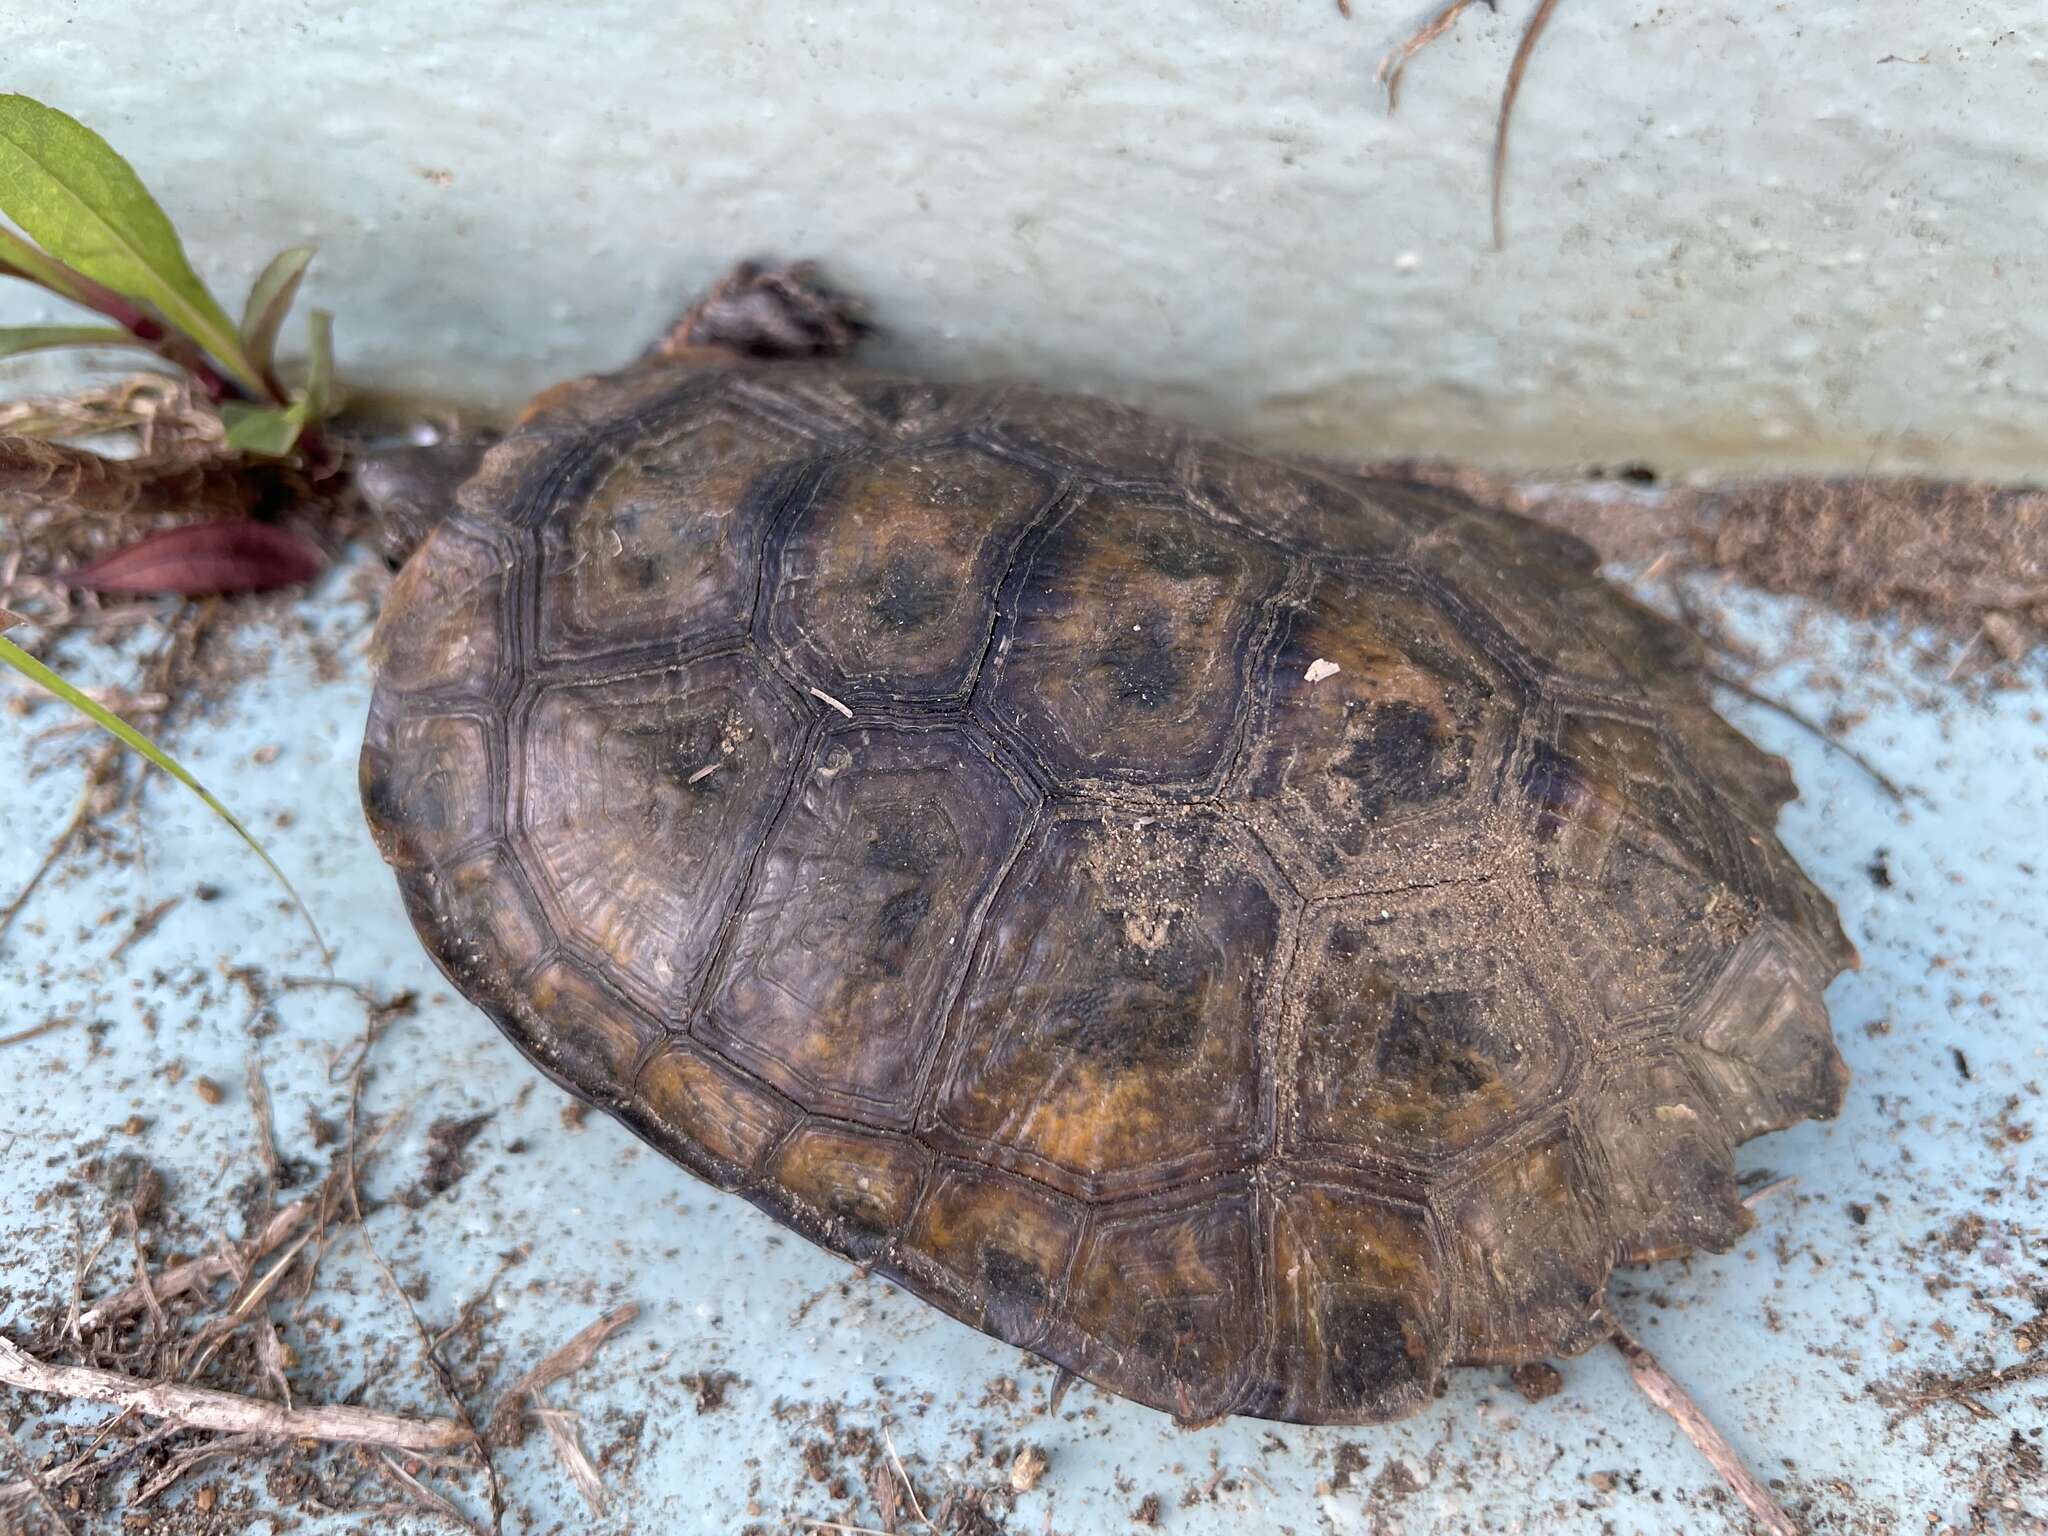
(37, 672)
(90, 232)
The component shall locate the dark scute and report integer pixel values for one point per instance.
(676, 750)
(1172, 1334)
(1143, 668)
(1556, 784)
(1432, 1043)
(1183, 559)
(904, 598)
(909, 840)
(895, 930)
(1145, 1012)
(1399, 760)
(1011, 1281)
(1370, 1361)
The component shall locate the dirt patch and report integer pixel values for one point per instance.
(1970, 559)
(447, 1140)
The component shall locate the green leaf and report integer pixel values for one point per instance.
(318, 399)
(16, 339)
(270, 300)
(20, 259)
(263, 429)
(133, 739)
(86, 207)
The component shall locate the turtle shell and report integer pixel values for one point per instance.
(1249, 934)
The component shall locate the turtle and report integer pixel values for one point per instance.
(1253, 934)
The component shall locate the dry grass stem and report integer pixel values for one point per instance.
(145, 924)
(33, 1483)
(196, 1274)
(903, 1479)
(228, 1413)
(1516, 70)
(1763, 1192)
(382, 1462)
(566, 1361)
(34, 1031)
(561, 1426)
(1661, 1388)
(1395, 63)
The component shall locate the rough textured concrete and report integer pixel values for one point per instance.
(1745, 235)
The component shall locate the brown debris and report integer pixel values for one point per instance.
(1537, 1381)
(1968, 558)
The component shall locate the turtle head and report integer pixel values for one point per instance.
(410, 486)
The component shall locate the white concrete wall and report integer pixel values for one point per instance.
(1738, 236)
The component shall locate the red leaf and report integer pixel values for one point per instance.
(201, 558)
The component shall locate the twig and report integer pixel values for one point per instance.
(1395, 63)
(195, 1274)
(383, 1463)
(217, 1332)
(1763, 1192)
(1661, 1388)
(34, 1479)
(567, 1360)
(1516, 70)
(47, 1027)
(903, 1477)
(266, 1134)
(228, 1413)
(1963, 1390)
(372, 1027)
(198, 1456)
(1778, 707)
(144, 925)
(81, 812)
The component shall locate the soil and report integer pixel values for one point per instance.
(1969, 559)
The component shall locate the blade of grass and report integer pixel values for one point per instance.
(76, 197)
(270, 300)
(261, 429)
(14, 656)
(17, 339)
(314, 404)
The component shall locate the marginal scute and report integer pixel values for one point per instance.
(1107, 1031)
(846, 942)
(642, 800)
(425, 782)
(1168, 1301)
(585, 1035)
(859, 1186)
(1670, 1167)
(693, 1105)
(442, 626)
(1124, 658)
(886, 580)
(1530, 1255)
(996, 1247)
(1358, 1324)
(1764, 1046)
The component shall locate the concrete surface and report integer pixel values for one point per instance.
(1754, 234)
(1915, 1239)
